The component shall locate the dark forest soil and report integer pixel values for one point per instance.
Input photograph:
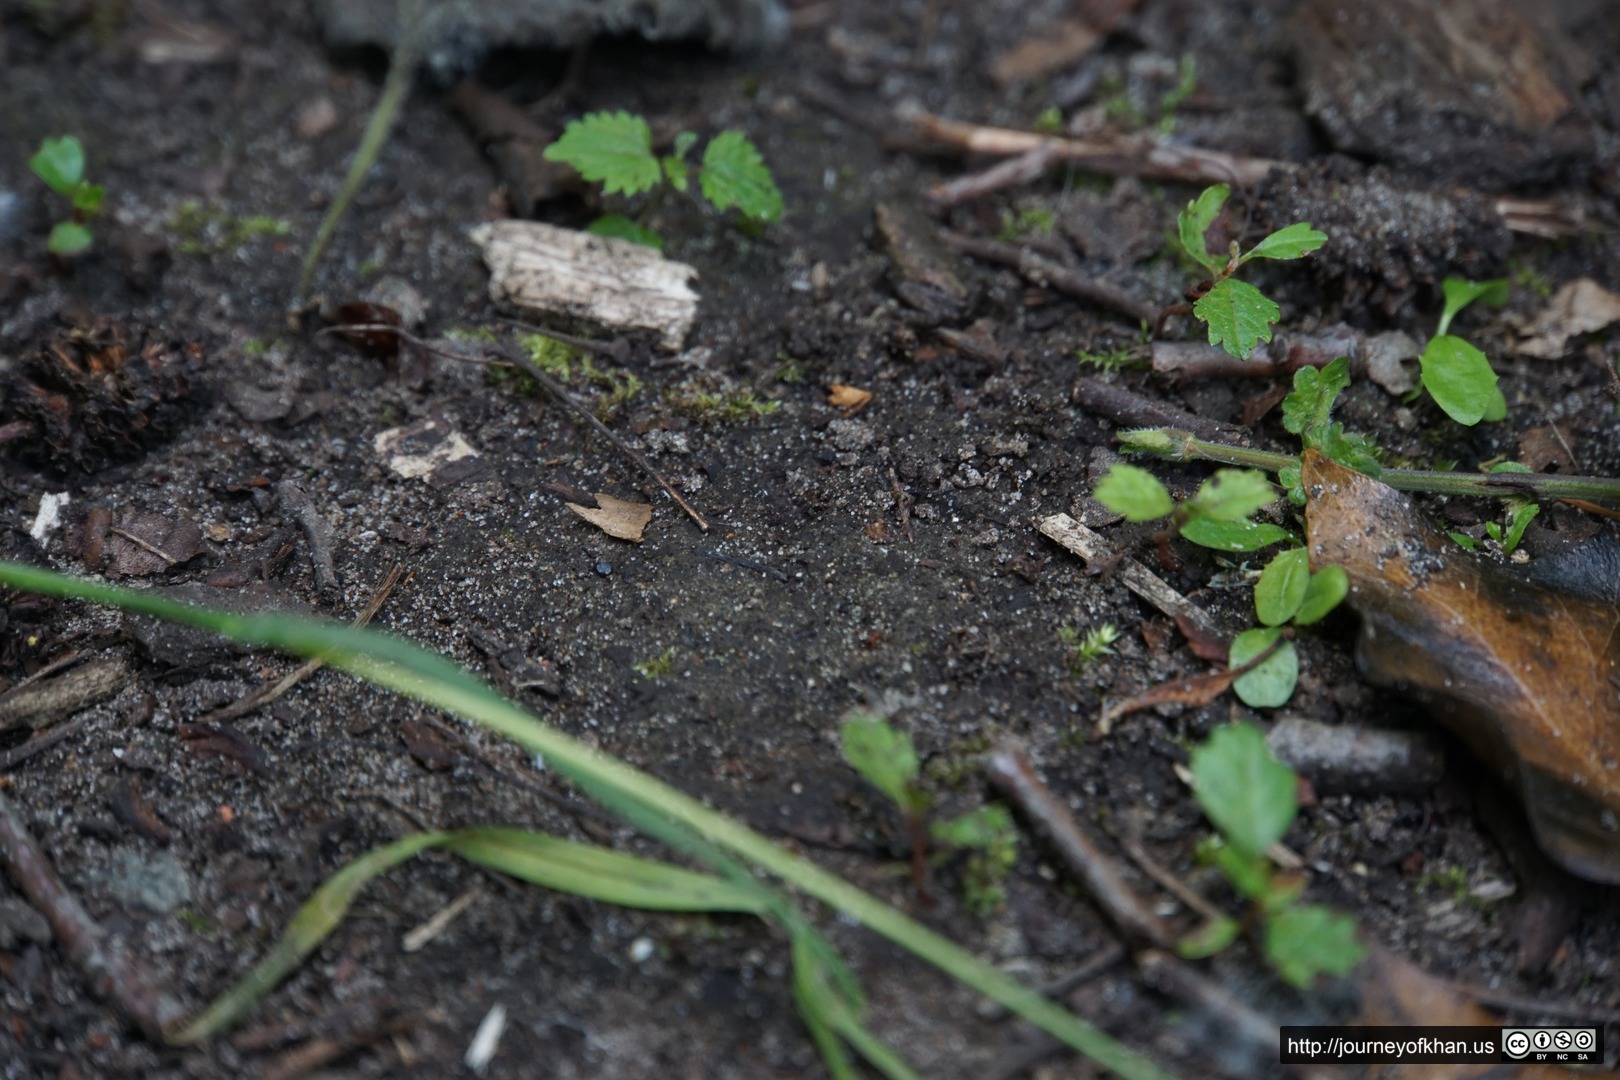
(812, 594)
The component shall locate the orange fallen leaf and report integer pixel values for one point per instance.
(844, 396)
(618, 518)
(1519, 669)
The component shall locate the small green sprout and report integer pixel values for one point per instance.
(658, 666)
(1116, 359)
(60, 163)
(615, 150)
(886, 758)
(1050, 121)
(1030, 221)
(1094, 644)
(1252, 799)
(1520, 513)
(711, 407)
(1455, 373)
(1308, 412)
(1238, 315)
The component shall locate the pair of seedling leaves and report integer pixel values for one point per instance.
(1239, 316)
(60, 163)
(615, 149)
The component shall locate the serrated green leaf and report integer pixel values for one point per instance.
(1459, 378)
(1271, 683)
(1358, 452)
(884, 756)
(1239, 316)
(1309, 407)
(60, 163)
(1193, 222)
(1246, 792)
(614, 149)
(1282, 585)
(1308, 940)
(1233, 535)
(1288, 480)
(622, 228)
(1327, 588)
(1294, 242)
(735, 175)
(69, 238)
(1233, 494)
(1460, 292)
(683, 144)
(1209, 939)
(1134, 492)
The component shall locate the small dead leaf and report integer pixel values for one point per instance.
(1578, 308)
(359, 321)
(1397, 993)
(844, 396)
(144, 543)
(619, 519)
(218, 533)
(877, 531)
(1519, 669)
(1543, 449)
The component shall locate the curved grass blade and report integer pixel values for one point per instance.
(398, 665)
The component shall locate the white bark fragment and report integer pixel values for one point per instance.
(601, 279)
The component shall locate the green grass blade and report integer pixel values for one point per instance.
(310, 925)
(399, 665)
(600, 873)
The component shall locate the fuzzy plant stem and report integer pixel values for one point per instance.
(1184, 446)
(395, 90)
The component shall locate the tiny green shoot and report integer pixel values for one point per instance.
(60, 163)
(658, 666)
(1238, 315)
(1095, 643)
(1252, 799)
(615, 150)
(1456, 374)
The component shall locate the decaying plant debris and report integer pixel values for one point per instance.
(868, 414)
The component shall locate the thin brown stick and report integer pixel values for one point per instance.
(1011, 772)
(1168, 881)
(317, 532)
(1235, 1020)
(618, 349)
(111, 973)
(557, 391)
(150, 548)
(266, 694)
(1023, 169)
(1120, 155)
(1043, 272)
(1129, 409)
(42, 741)
(1136, 577)
(902, 502)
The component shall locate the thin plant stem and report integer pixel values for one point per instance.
(1185, 446)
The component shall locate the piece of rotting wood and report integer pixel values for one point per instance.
(599, 279)
(1137, 578)
(40, 704)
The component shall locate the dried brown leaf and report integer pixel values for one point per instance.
(619, 519)
(1521, 670)
(844, 396)
(1580, 307)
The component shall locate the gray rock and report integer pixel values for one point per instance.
(457, 33)
(19, 922)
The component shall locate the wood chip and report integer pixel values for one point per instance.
(844, 396)
(600, 279)
(618, 518)
(1137, 578)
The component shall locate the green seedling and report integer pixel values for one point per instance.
(1117, 359)
(615, 150)
(1030, 221)
(60, 163)
(205, 232)
(885, 757)
(658, 666)
(1238, 315)
(1251, 799)
(1094, 644)
(1455, 373)
(1218, 517)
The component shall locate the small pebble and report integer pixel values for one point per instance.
(605, 569)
